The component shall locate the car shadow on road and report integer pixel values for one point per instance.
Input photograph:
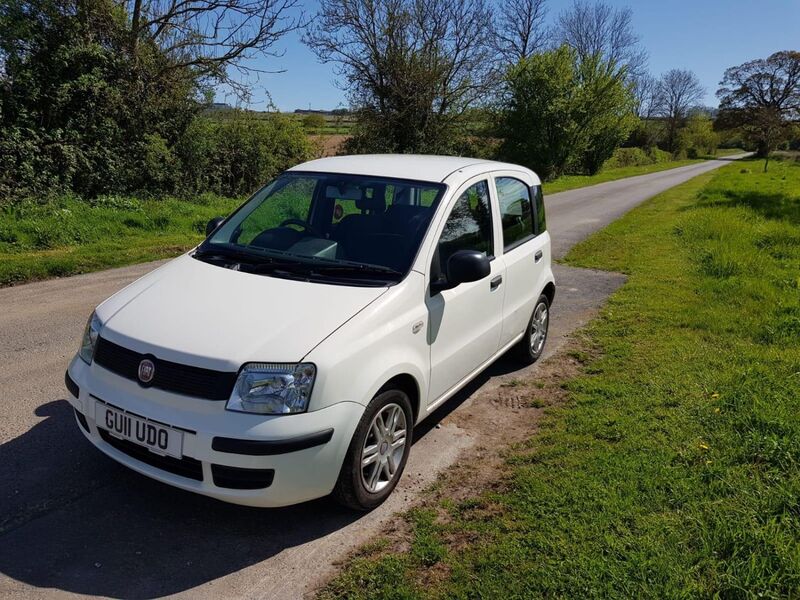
(72, 519)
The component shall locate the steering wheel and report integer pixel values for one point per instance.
(305, 225)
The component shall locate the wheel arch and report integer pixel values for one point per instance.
(408, 384)
(550, 291)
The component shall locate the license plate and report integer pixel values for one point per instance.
(155, 437)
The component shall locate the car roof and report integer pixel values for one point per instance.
(420, 167)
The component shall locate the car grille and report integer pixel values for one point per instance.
(169, 376)
(187, 466)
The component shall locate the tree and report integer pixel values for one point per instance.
(699, 137)
(679, 90)
(762, 97)
(211, 36)
(647, 99)
(598, 30)
(411, 68)
(519, 30)
(95, 93)
(314, 121)
(563, 113)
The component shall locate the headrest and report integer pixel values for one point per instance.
(377, 202)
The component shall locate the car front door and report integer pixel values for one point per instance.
(525, 250)
(465, 322)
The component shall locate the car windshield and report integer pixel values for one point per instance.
(327, 226)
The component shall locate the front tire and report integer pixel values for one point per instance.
(531, 346)
(378, 452)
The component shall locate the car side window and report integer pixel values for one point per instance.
(516, 211)
(538, 205)
(469, 225)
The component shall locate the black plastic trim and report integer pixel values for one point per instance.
(237, 478)
(188, 467)
(271, 447)
(81, 420)
(72, 387)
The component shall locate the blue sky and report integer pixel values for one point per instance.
(705, 36)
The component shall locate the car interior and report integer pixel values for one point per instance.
(374, 222)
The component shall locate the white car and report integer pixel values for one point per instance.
(290, 355)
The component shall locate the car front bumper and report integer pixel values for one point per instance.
(221, 449)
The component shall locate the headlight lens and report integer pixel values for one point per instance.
(89, 342)
(273, 388)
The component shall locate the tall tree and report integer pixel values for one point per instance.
(599, 31)
(212, 37)
(520, 29)
(562, 113)
(762, 97)
(646, 96)
(679, 91)
(411, 68)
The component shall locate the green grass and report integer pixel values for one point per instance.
(673, 470)
(68, 236)
(571, 182)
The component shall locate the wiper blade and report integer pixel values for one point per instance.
(353, 267)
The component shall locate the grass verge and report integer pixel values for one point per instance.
(672, 469)
(68, 236)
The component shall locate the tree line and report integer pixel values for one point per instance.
(107, 96)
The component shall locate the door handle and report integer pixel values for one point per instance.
(538, 256)
(495, 283)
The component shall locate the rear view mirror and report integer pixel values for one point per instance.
(212, 225)
(463, 266)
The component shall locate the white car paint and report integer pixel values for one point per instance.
(359, 338)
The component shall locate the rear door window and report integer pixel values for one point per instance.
(516, 211)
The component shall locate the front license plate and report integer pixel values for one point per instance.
(154, 436)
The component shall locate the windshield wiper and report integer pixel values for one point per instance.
(354, 267)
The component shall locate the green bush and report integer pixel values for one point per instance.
(628, 157)
(235, 156)
(314, 121)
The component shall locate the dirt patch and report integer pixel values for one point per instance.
(506, 415)
(328, 145)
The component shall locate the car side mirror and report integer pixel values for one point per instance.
(212, 225)
(463, 266)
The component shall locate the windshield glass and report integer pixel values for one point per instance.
(344, 226)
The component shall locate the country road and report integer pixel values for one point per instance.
(74, 522)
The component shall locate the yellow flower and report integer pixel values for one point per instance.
(715, 395)
(704, 446)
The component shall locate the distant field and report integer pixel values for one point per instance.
(668, 467)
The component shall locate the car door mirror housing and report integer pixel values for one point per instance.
(212, 225)
(463, 266)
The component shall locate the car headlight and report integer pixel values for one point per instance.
(273, 388)
(89, 341)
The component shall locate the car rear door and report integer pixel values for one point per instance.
(465, 322)
(524, 250)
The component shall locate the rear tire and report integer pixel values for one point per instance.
(531, 346)
(378, 452)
